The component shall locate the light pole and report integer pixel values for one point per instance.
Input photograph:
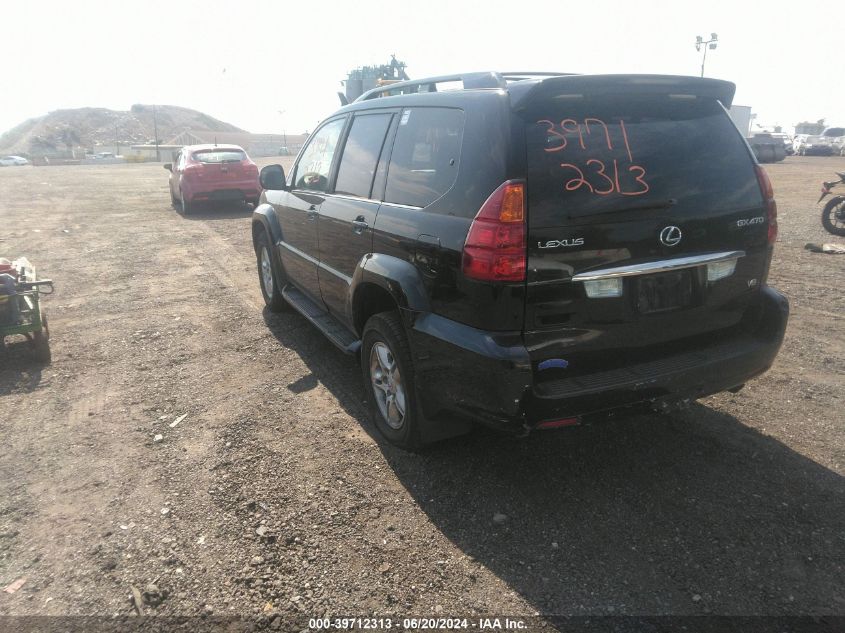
(155, 128)
(284, 132)
(711, 43)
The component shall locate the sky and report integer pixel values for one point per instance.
(276, 66)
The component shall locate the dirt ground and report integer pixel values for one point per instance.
(273, 498)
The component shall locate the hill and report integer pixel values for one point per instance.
(64, 131)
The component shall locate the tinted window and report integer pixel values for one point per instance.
(595, 156)
(312, 170)
(360, 154)
(219, 156)
(426, 154)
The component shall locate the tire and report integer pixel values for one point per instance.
(173, 201)
(270, 277)
(41, 343)
(833, 217)
(187, 206)
(393, 406)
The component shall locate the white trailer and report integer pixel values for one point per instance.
(741, 116)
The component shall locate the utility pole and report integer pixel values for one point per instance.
(284, 132)
(155, 130)
(711, 43)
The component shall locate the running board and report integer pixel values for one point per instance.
(325, 322)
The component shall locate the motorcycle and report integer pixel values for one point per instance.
(833, 214)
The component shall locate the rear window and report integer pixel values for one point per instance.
(426, 153)
(219, 156)
(590, 156)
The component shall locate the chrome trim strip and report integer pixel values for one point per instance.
(663, 265)
(299, 253)
(316, 262)
(335, 272)
(343, 196)
(403, 206)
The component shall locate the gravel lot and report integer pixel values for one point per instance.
(273, 499)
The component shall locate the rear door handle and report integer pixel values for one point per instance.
(359, 225)
(312, 212)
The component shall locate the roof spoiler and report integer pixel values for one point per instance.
(596, 85)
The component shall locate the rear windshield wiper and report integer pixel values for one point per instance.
(658, 205)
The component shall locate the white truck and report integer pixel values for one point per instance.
(741, 116)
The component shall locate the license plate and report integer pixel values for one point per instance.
(666, 291)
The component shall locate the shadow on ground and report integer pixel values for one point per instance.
(687, 514)
(218, 211)
(20, 372)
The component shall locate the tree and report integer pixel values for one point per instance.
(69, 138)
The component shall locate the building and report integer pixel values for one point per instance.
(806, 127)
(256, 145)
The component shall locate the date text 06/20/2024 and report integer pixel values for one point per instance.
(418, 624)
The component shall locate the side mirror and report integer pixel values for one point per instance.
(168, 167)
(272, 177)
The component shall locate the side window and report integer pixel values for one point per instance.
(183, 158)
(312, 170)
(361, 153)
(426, 155)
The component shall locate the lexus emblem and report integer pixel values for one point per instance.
(670, 236)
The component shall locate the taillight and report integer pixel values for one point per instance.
(193, 171)
(771, 205)
(495, 246)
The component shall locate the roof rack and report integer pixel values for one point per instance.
(471, 81)
(523, 75)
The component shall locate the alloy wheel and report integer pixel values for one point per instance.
(387, 385)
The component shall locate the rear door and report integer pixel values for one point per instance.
(349, 213)
(620, 187)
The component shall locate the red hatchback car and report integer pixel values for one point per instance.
(202, 173)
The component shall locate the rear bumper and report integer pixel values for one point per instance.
(237, 190)
(487, 377)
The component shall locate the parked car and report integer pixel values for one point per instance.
(202, 173)
(814, 145)
(528, 253)
(837, 144)
(767, 148)
(13, 161)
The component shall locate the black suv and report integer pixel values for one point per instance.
(526, 250)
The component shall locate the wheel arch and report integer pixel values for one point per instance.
(370, 299)
(264, 217)
(383, 282)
